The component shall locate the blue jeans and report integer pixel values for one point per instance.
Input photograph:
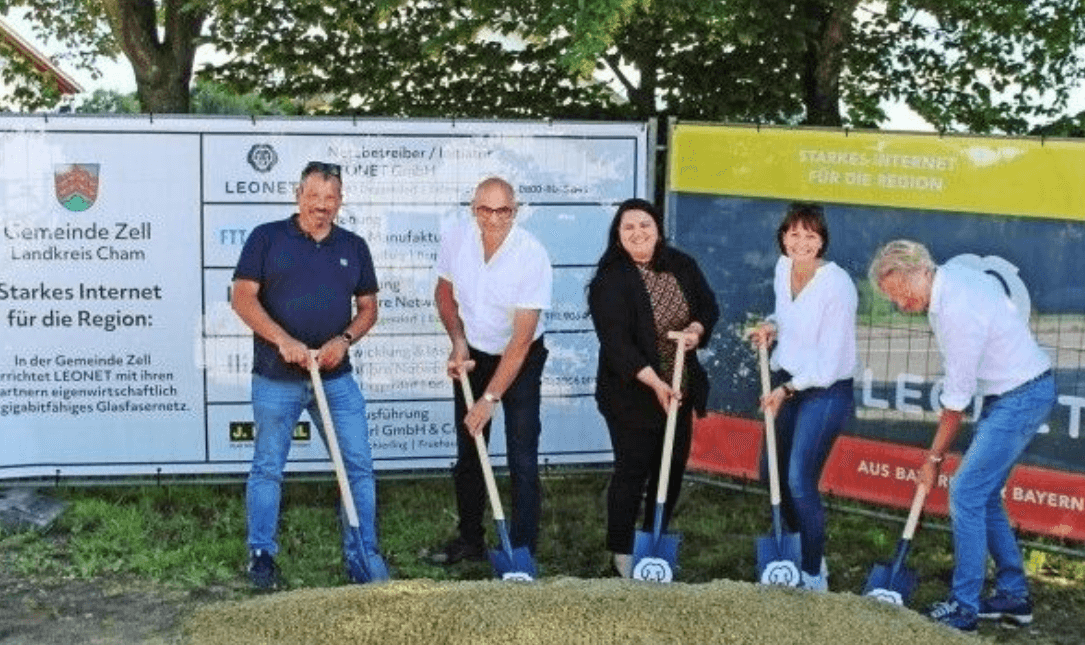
(980, 524)
(521, 405)
(277, 405)
(806, 426)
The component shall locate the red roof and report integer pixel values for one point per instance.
(65, 83)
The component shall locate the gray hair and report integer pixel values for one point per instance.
(899, 256)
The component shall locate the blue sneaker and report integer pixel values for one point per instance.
(263, 572)
(952, 614)
(1015, 609)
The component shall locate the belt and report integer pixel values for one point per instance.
(1039, 377)
(536, 345)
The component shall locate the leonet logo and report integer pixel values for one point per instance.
(262, 157)
(76, 185)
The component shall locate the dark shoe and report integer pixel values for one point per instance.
(952, 614)
(459, 549)
(263, 572)
(1014, 609)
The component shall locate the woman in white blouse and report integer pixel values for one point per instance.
(813, 363)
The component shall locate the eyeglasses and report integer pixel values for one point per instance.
(328, 169)
(503, 212)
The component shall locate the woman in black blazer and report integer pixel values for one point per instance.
(641, 290)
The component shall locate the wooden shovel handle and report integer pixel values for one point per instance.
(672, 416)
(770, 428)
(483, 455)
(333, 441)
(913, 515)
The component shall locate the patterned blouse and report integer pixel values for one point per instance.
(671, 313)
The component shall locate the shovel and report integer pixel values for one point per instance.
(655, 554)
(779, 556)
(894, 583)
(362, 566)
(508, 563)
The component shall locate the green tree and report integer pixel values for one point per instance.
(965, 65)
(982, 66)
(208, 97)
(414, 59)
(159, 39)
(27, 87)
(109, 102)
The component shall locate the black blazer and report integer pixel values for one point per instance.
(622, 314)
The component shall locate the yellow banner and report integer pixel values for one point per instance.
(1003, 176)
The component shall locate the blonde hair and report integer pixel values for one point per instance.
(899, 256)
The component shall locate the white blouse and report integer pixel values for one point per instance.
(815, 332)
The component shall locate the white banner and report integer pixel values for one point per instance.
(121, 355)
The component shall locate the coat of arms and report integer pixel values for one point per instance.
(76, 185)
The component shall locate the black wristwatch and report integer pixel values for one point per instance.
(789, 390)
(347, 336)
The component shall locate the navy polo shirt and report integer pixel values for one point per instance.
(307, 287)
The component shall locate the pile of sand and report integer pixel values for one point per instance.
(561, 611)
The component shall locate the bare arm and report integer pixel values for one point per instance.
(449, 311)
(524, 322)
(949, 423)
(246, 302)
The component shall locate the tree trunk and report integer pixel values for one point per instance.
(830, 29)
(162, 66)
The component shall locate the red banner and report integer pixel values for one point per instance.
(1038, 500)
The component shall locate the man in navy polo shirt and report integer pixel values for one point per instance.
(294, 286)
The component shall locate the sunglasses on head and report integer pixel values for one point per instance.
(329, 169)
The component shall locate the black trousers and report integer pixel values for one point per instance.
(638, 451)
(521, 405)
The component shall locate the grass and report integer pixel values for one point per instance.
(193, 537)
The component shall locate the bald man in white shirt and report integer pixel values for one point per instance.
(494, 281)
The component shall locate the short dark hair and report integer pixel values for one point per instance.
(808, 215)
(326, 170)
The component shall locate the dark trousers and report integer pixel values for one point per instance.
(523, 426)
(638, 451)
(806, 427)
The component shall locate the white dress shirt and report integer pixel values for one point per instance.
(815, 332)
(518, 276)
(987, 348)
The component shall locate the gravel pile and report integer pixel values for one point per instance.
(562, 611)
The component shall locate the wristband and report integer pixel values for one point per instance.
(934, 459)
(490, 397)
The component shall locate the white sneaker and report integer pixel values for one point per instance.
(814, 583)
(623, 562)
